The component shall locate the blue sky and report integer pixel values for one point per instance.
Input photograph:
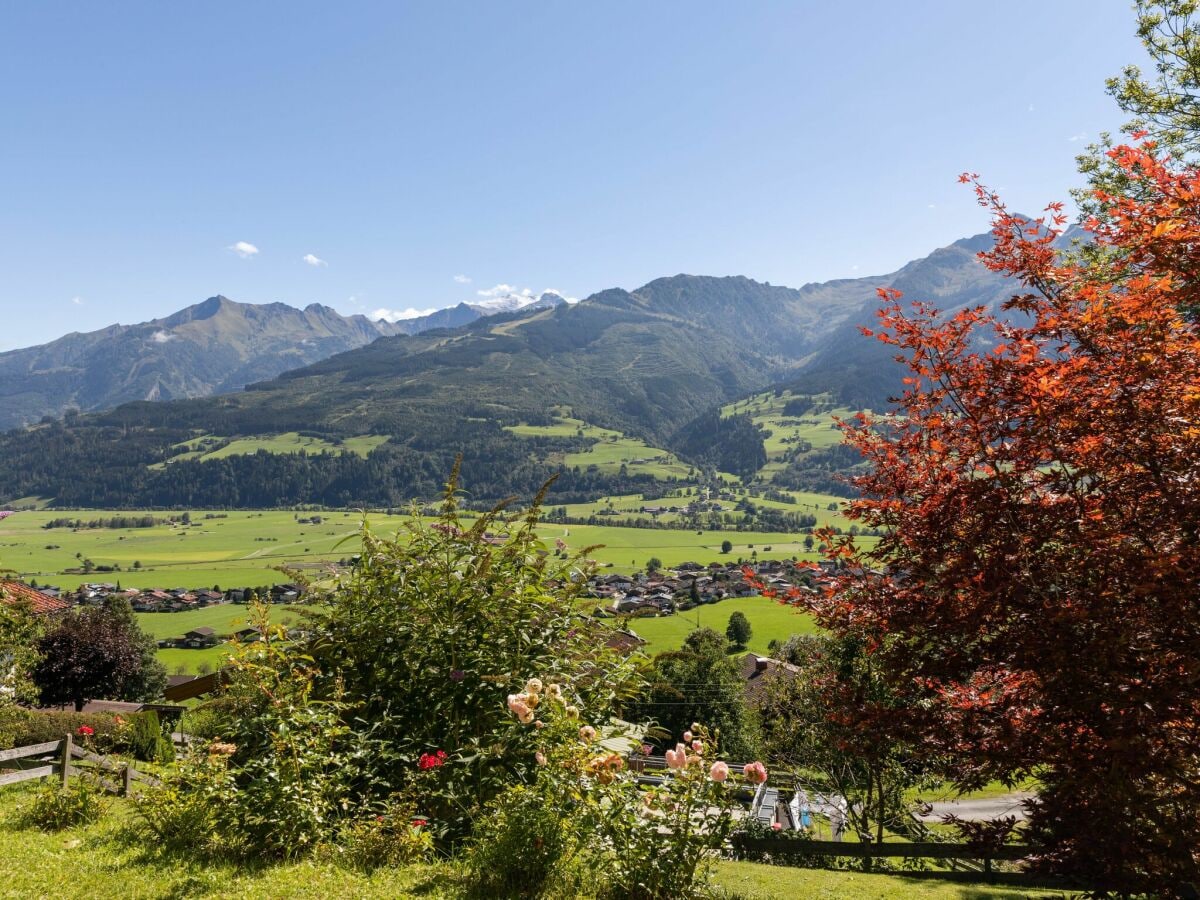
(541, 145)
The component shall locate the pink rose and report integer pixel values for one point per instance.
(719, 771)
(697, 746)
(675, 759)
(755, 772)
(687, 737)
(775, 826)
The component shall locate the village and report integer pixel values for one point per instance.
(663, 593)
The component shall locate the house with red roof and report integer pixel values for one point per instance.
(43, 604)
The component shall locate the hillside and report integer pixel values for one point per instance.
(653, 363)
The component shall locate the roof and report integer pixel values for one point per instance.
(623, 641)
(758, 672)
(43, 604)
(194, 687)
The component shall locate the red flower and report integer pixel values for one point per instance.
(85, 730)
(431, 760)
(420, 823)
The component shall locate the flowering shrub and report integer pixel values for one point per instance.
(420, 640)
(660, 846)
(585, 802)
(397, 689)
(278, 782)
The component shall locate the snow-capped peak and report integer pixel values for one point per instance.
(505, 298)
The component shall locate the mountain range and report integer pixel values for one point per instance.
(647, 362)
(214, 347)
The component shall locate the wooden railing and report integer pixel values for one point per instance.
(56, 759)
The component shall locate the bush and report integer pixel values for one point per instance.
(146, 739)
(182, 814)
(394, 837)
(201, 723)
(523, 847)
(396, 689)
(53, 809)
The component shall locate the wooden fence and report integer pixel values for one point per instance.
(57, 759)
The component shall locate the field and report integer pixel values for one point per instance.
(785, 433)
(609, 450)
(247, 548)
(768, 619)
(103, 861)
(208, 446)
(224, 620)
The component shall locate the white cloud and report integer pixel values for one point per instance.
(505, 290)
(1031, 107)
(462, 279)
(78, 301)
(933, 206)
(161, 337)
(1082, 136)
(396, 315)
(244, 249)
(562, 294)
(313, 260)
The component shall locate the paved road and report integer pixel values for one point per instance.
(977, 810)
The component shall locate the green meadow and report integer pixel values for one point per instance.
(768, 619)
(249, 548)
(783, 433)
(207, 446)
(609, 450)
(239, 549)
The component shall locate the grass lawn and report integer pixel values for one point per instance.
(99, 862)
(768, 619)
(753, 881)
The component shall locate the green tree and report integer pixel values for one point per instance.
(653, 564)
(150, 679)
(700, 683)
(738, 630)
(812, 721)
(726, 546)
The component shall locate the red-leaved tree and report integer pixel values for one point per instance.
(1039, 490)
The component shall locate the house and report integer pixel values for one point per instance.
(14, 592)
(204, 636)
(758, 672)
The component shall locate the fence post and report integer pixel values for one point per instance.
(66, 760)
(128, 782)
